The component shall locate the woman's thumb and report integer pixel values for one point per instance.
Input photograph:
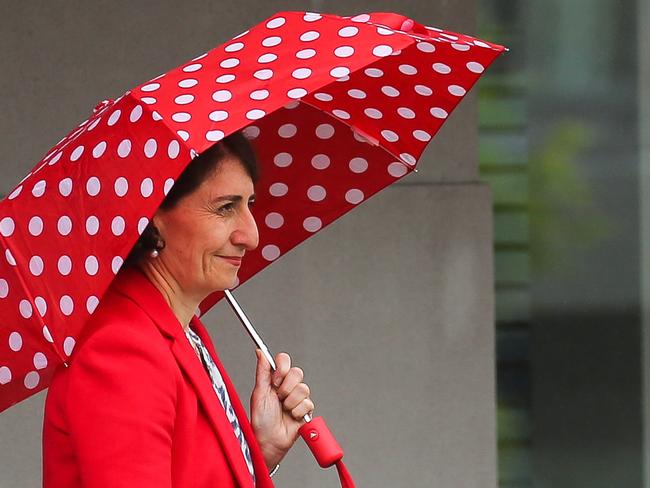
(263, 370)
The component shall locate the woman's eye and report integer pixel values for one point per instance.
(251, 203)
(228, 207)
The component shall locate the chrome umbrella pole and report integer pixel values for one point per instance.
(254, 335)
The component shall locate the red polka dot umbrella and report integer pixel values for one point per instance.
(336, 107)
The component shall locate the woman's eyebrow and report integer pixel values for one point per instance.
(232, 198)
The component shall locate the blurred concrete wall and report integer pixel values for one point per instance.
(390, 311)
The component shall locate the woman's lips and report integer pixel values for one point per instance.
(234, 260)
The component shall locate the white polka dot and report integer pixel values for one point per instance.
(68, 345)
(408, 158)
(309, 36)
(296, 93)
(312, 17)
(41, 306)
(460, 47)
(225, 78)
(456, 90)
(99, 149)
(142, 224)
(441, 68)
(66, 305)
(312, 224)
(92, 225)
(121, 186)
(234, 47)
(255, 114)
(354, 196)
(389, 135)
(271, 41)
(259, 94)
(39, 189)
(118, 225)
(31, 380)
(76, 154)
(425, 47)
(35, 226)
(373, 113)
(251, 132)
(181, 117)
(382, 31)
(25, 309)
(301, 73)
(136, 113)
(36, 265)
(390, 91)
(169, 183)
(191, 68)
(116, 264)
(64, 265)
(382, 51)
(358, 94)
(15, 341)
(358, 165)
(361, 18)
(320, 161)
(263, 74)
(407, 69)
(91, 304)
(341, 114)
(339, 72)
(184, 99)
(275, 23)
(423, 90)
(406, 112)
(229, 63)
(55, 159)
(270, 252)
(4, 288)
(150, 148)
(374, 72)
(5, 375)
(274, 220)
(278, 189)
(91, 265)
(215, 135)
(124, 149)
(324, 97)
(150, 87)
(188, 83)
(183, 134)
(64, 225)
(15, 193)
(40, 360)
(221, 96)
(10, 257)
(47, 334)
(349, 31)
(93, 186)
(267, 58)
(283, 159)
(316, 193)
(422, 135)
(344, 51)
(218, 116)
(306, 53)
(449, 36)
(114, 117)
(439, 113)
(287, 130)
(475, 67)
(324, 131)
(397, 169)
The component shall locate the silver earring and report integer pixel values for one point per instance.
(154, 253)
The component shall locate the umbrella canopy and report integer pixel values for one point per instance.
(337, 108)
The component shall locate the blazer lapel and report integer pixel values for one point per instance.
(141, 291)
(263, 480)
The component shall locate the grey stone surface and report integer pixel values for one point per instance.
(389, 311)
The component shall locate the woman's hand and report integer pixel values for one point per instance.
(279, 402)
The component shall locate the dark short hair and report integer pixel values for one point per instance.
(190, 179)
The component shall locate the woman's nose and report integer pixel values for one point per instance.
(246, 234)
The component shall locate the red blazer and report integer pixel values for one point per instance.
(135, 407)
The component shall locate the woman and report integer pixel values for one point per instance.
(145, 401)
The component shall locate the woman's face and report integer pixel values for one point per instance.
(208, 231)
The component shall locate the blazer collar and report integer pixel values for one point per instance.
(133, 284)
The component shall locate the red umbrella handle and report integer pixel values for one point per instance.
(326, 449)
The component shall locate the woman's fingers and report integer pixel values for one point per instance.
(303, 408)
(292, 392)
(297, 395)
